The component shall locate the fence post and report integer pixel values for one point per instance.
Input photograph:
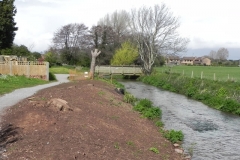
(214, 77)
(201, 74)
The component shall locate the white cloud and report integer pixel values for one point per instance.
(207, 23)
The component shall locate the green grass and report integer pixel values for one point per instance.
(221, 73)
(61, 69)
(65, 69)
(10, 83)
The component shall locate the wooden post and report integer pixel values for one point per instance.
(214, 77)
(201, 74)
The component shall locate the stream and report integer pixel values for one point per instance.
(208, 133)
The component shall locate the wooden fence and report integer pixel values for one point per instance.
(30, 69)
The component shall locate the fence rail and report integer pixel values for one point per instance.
(29, 68)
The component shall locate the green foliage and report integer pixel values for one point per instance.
(155, 150)
(7, 24)
(173, 136)
(159, 124)
(51, 58)
(125, 55)
(129, 98)
(222, 92)
(52, 77)
(145, 107)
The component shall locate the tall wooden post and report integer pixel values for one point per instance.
(92, 68)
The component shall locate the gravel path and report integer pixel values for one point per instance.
(14, 97)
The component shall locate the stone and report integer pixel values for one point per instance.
(180, 151)
(58, 104)
(176, 145)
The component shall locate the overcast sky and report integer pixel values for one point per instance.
(209, 24)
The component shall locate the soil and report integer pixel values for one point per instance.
(80, 120)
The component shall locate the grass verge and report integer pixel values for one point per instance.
(10, 83)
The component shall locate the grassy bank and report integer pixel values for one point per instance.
(65, 69)
(10, 83)
(207, 72)
(224, 96)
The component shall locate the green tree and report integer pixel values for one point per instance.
(36, 55)
(7, 24)
(51, 58)
(21, 50)
(125, 55)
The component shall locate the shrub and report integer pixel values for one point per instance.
(173, 136)
(152, 113)
(230, 106)
(145, 107)
(129, 98)
(52, 77)
(159, 124)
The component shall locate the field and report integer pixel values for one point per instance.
(207, 72)
(66, 69)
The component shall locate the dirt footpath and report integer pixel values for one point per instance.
(80, 120)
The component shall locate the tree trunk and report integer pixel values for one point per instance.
(93, 62)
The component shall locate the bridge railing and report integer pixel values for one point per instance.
(123, 70)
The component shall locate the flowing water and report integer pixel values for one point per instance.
(208, 134)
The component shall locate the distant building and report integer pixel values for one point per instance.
(187, 60)
(206, 61)
(173, 60)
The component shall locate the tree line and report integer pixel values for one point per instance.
(141, 36)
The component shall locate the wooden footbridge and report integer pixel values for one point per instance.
(118, 70)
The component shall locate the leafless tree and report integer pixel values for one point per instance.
(222, 54)
(213, 54)
(94, 53)
(118, 21)
(70, 39)
(155, 31)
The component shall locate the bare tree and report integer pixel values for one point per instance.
(70, 39)
(103, 38)
(222, 54)
(155, 30)
(118, 21)
(213, 54)
(93, 62)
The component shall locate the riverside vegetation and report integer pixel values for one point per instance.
(224, 96)
(147, 110)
